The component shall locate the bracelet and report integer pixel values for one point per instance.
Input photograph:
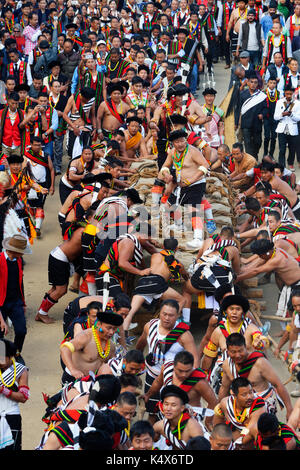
(68, 345)
(203, 169)
(99, 131)
(6, 391)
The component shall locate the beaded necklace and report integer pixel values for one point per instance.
(240, 417)
(14, 377)
(103, 354)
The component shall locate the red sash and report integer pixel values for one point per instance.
(112, 108)
(197, 375)
(36, 158)
(22, 69)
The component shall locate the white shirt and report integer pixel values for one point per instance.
(287, 122)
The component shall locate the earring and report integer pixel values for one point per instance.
(100, 329)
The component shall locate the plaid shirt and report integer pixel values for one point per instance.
(31, 36)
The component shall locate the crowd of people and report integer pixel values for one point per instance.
(88, 92)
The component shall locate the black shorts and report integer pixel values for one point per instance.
(221, 274)
(190, 195)
(151, 285)
(58, 271)
(115, 288)
(70, 313)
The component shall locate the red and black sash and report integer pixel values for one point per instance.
(173, 336)
(79, 108)
(249, 363)
(113, 110)
(197, 375)
(39, 159)
(71, 416)
(173, 435)
(285, 432)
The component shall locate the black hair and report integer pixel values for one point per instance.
(38, 139)
(184, 357)
(94, 305)
(267, 422)
(37, 76)
(171, 303)
(238, 145)
(252, 204)
(239, 382)
(295, 292)
(134, 355)
(170, 243)
(10, 77)
(261, 247)
(141, 427)
(43, 94)
(122, 301)
(227, 231)
(235, 339)
(126, 398)
(14, 96)
(263, 233)
(276, 215)
(128, 380)
(87, 93)
(267, 166)
(198, 443)
(261, 186)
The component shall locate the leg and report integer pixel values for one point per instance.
(17, 316)
(136, 303)
(267, 132)
(291, 141)
(282, 147)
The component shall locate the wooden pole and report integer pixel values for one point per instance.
(274, 317)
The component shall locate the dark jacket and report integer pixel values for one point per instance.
(69, 63)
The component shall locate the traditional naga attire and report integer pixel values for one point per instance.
(217, 114)
(161, 350)
(236, 421)
(269, 395)
(75, 143)
(114, 112)
(285, 432)
(190, 382)
(10, 418)
(173, 438)
(39, 169)
(212, 271)
(117, 274)
(94, 81)
(211, 350)
(152, 287)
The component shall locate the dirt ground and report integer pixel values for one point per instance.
(41, 348)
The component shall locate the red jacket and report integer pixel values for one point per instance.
(11, 134)
(4, 275)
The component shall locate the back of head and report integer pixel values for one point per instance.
(198, 443)
(252, 204)
(128, 380)
(221, 430)
(106, 389)
(227, 232)
(267, 422)
(92, 438)
(126, 398)
(170, 243)
(261, 247)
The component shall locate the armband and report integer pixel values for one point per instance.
(288, 328)
(165, 168)
(25, 391)
(68, 345)
(5, 391)
(203, 169)
(193, 118)
(210, 349)
(99, 131)
(218, 410)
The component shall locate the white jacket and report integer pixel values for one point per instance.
(290, 121)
